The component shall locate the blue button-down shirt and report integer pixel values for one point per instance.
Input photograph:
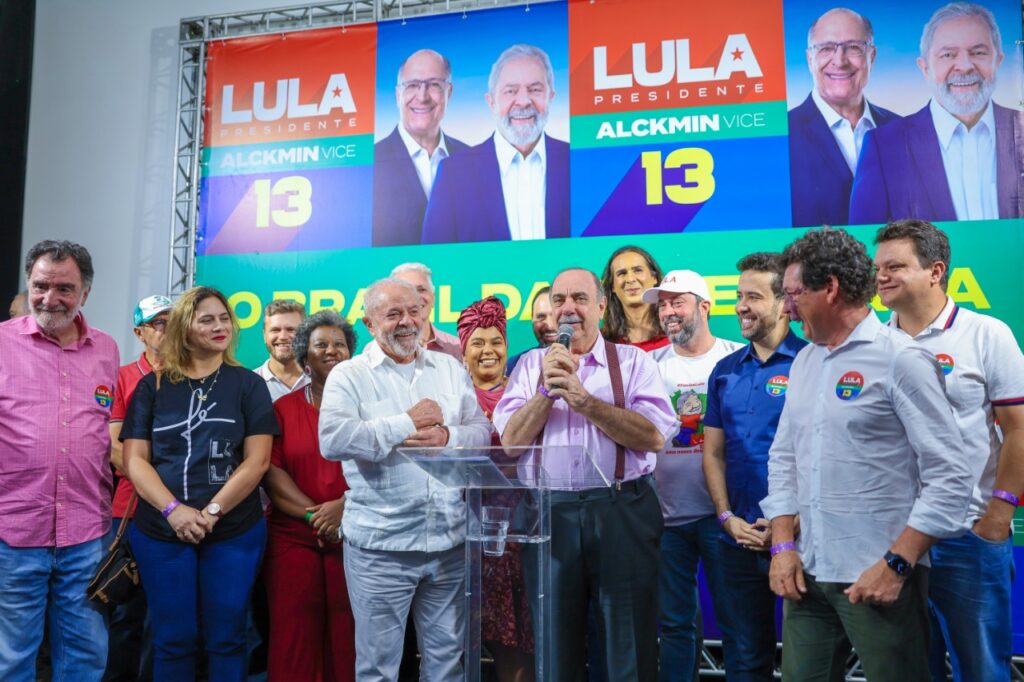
(745, 399)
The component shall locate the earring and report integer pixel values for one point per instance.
(308, 371)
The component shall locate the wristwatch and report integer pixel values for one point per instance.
(897, 563)
(213, 509)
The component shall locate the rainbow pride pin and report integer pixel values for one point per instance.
(946, 363)
(777, 385)
(850, 386)
(103, 396)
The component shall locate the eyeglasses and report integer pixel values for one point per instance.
(854, 49)
(794, 293)
(435, 86)
(158, 325)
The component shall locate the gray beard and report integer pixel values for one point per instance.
(965, 104)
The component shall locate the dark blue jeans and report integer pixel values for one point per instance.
(682, 547)
(130, 653)
(750, 609)
(969, 595)
(210, 583)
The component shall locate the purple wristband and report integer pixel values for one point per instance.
(724, 516)
(1006, 496)
(783, 547)
(171, 506)
(544, 392)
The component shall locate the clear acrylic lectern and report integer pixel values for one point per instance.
(508, 541)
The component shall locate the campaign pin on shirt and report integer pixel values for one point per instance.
(104, 396)
(777, 385)
(850, 385)
(946, 363)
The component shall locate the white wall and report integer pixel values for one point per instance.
(101, 141)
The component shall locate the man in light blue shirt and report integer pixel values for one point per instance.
(868, 454)
(404, 533)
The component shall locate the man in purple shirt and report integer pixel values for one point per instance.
(55, 483)
(605, 539)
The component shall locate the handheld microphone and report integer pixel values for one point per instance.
(565, 334)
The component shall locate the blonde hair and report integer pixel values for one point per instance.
(175, 350)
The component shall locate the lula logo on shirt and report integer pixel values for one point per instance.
(103, 396)
(946, 363)
(777, 385)
(850, 385)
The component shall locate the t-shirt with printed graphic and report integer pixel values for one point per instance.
(197, 444)
(680, 474)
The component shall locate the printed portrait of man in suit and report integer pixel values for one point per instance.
(406, 161)
(958, 158)
(827, 130)
(514, 185)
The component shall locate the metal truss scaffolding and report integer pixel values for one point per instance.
(195, 33)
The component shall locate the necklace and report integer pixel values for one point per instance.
(201, 394)
(309, 396)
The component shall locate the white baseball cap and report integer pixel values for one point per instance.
(150, 307)
(679, 282)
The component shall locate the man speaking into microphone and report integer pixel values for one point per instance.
(607, 399)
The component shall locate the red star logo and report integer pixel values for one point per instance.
(336, 91)
(737, 54)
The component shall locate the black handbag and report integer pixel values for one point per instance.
(117, 577)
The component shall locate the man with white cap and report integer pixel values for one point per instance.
(691, 531)
(126, 659)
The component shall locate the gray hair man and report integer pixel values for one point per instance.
(404, 550)
(432, 338)
(869, 456)
(59, 376)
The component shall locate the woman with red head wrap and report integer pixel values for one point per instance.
(505, 614)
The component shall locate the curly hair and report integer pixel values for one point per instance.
(833, 252)
(324, 318)
(930, 243)
(763, 261)
(614, 326)
(58, 251)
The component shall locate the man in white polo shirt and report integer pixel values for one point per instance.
(969, 582)
(869, 456)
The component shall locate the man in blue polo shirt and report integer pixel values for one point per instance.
(746, 392)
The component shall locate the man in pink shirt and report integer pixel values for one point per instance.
(55, 399)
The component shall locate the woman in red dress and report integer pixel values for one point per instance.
(505, 614)
(312, 635)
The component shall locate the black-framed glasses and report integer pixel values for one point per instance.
(853, 49)
(434, 86)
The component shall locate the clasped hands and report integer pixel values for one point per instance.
(190, 524)
(428, 419)
(560, 379)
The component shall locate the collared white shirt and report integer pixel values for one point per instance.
(969, 157)
(984, 367)
(867, 444)
(849, 139)
(277, 388)
(523, 184)
(392, 504)
(425, 164)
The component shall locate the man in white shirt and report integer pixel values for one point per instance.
(431, 338)
(282, 373)
(515, 185)
(970, 577)
(404, 537)
(405, 162)
(869, 456)
(955, 159)
(691, 533)
(827, 130)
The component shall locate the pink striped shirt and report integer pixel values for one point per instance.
(55, 481)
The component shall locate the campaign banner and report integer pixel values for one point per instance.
(680, 109)
(287, 159)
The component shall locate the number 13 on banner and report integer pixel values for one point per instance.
(298, 191)
(698, 181)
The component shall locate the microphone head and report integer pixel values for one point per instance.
(565, 332)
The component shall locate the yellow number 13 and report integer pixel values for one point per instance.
(299, 191)
(700, 183)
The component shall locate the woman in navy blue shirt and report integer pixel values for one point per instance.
(197, 439)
